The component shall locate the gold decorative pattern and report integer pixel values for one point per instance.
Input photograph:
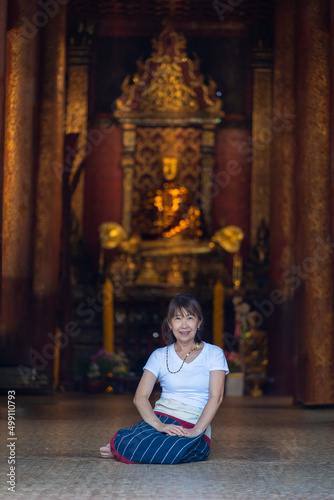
(77, 98)
(127, 164)
(168, 82)
(262, 115)
(315, 340)
(128, 161)
(229, 238)
(76, 122)
(168, 91)
(282, 217)
(282, 214)
(19, 154)
(51, 139)
(111, 234)
(129, 138)
(206, 198)
(218, 314)
(208, 138)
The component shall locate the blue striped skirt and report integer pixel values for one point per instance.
(141, 444)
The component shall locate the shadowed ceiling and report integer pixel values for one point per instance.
(179, 10)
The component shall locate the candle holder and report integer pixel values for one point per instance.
(237, 271)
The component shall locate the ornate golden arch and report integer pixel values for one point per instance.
(166, 105)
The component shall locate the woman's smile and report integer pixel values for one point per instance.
(184, 326)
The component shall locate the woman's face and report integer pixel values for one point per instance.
(184, 326)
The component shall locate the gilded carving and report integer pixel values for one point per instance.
(129, 139)
(76, 122)
(283, 149)
(48, 187)
(168, 82)
(261, 138)
(229, 238)
(168, 90)
(206, 198)
(127, 164)
(208, 138)
(19, 153)
(111, 235)
(315, 352)
(77, 99)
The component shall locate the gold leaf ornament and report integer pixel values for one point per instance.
(111, 235)
(229, 238)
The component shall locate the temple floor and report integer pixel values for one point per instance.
(261, 448)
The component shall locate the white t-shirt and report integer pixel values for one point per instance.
(191, 384)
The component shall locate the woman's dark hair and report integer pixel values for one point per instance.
(181, 304)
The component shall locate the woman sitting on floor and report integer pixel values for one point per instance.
(192, 376)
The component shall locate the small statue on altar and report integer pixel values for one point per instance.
(148, 275)
(258, 265)
(255, 351)
(261, 248)
(170, 208)
(116, 270)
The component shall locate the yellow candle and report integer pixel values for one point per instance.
(56, 359)
(108, 316)
(218, 314)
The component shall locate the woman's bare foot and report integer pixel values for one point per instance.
(105, 451)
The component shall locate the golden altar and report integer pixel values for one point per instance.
(168, 117)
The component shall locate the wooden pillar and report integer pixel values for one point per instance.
(65, 301)
(76, 122)
(207, 164)
(332, 126)
(231, 182)
(18, 179)
(48, 211)
(103, 181)
(282, 226)
(314, 251)
(262, 135)
(3, 36)
(128, 164)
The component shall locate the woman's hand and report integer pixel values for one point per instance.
(192, 432)
(178, 430)
(172, 430)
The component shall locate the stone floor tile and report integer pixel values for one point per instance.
(262, 448)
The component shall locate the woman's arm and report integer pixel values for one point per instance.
(143, 405)
(216, 393)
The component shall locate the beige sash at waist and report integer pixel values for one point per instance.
(179, 410)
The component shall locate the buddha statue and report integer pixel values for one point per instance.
(257, 268)
(169, 211)
(255, 351)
